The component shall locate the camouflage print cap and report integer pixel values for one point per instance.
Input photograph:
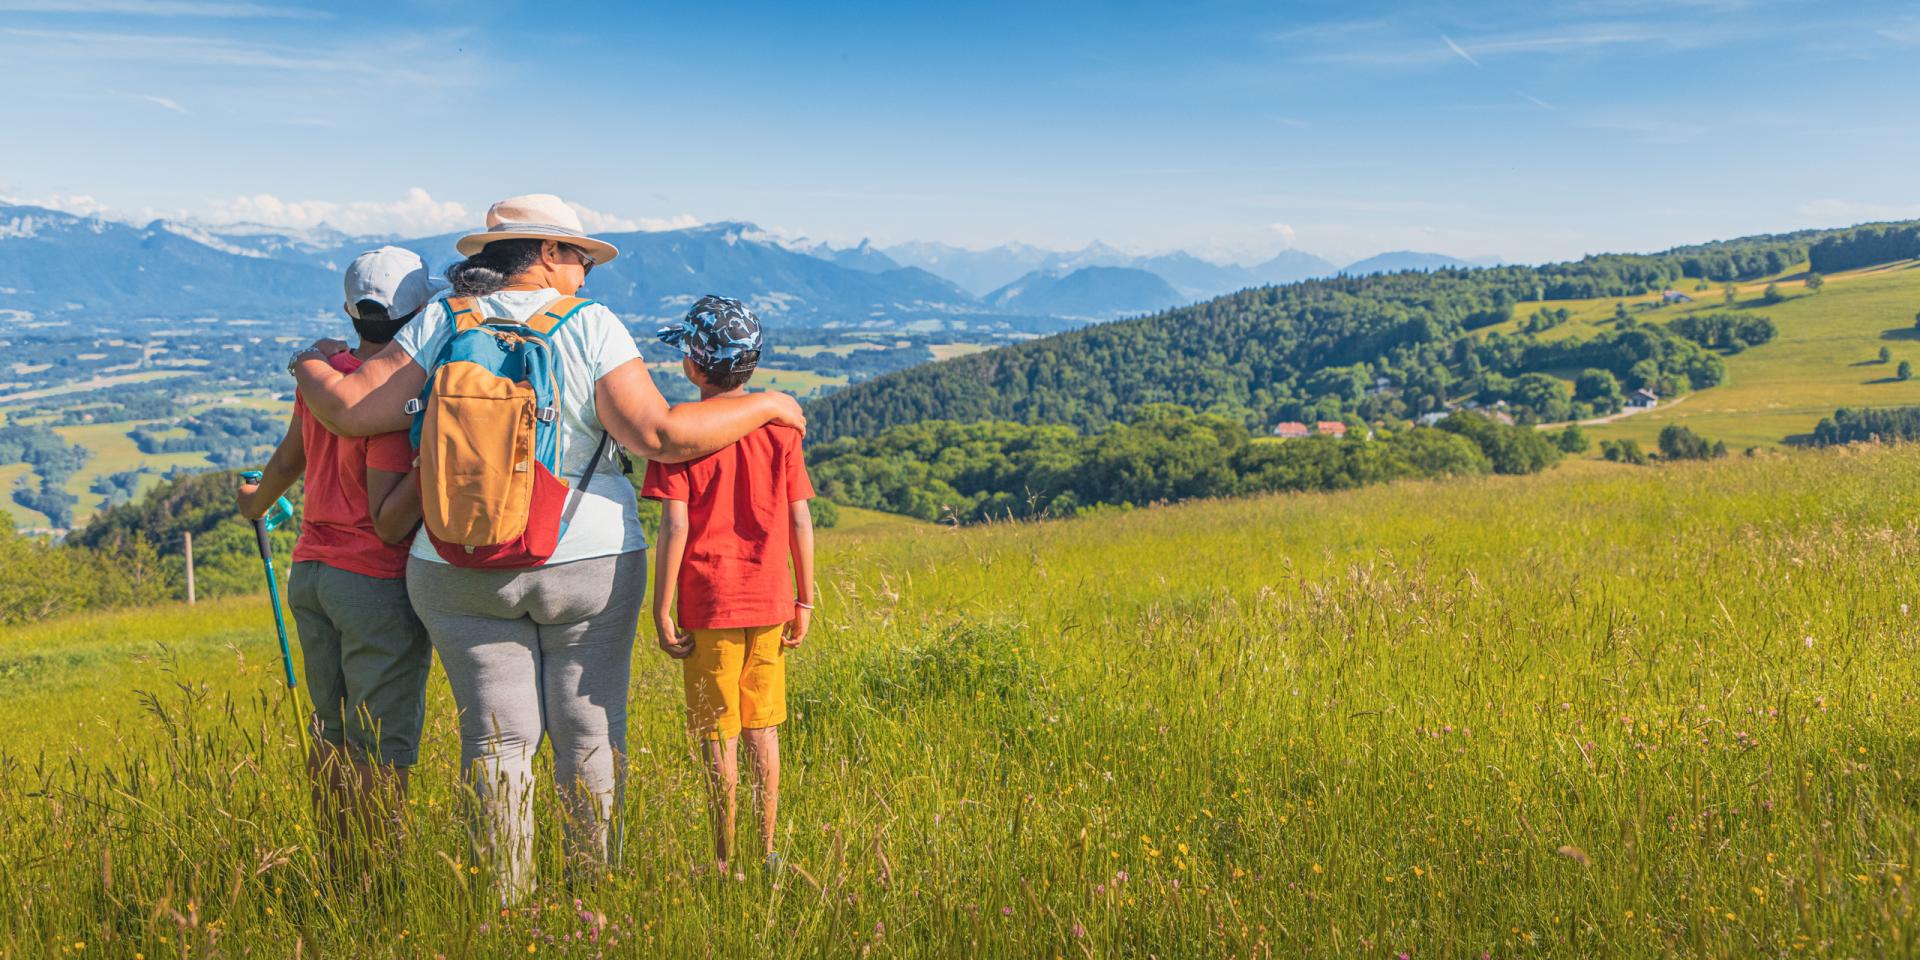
(715, 332)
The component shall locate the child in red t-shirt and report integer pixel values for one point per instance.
(366, 655)
(729, 523)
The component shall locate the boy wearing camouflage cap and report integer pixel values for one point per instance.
(730, 521)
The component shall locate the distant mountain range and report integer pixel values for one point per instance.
(982, 272)
(1092, 293)
(56, 265)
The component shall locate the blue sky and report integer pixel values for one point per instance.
(1527, 130)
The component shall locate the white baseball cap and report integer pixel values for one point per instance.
(395, 278)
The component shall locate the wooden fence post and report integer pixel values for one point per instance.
(186, 538)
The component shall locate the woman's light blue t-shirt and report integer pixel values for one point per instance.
(591, 344)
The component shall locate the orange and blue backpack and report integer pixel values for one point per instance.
(487, 430)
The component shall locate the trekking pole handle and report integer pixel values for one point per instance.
(282, 511)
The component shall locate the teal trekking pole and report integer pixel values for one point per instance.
(282, 512)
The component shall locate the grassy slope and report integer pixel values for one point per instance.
(22, 517)
(1334, 724)
(1823, 358)
(114, 451)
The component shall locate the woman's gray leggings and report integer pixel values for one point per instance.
(545, 650)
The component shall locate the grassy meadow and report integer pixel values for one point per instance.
(1605, 711)
(1825, 356)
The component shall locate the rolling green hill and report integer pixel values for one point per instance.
(1826, 356)
(1607, 711)
(1393, 347)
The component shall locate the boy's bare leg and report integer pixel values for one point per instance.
(765, 745)
(723, 773)
(330, 771)
(382, 792)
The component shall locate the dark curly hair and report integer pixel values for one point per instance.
(493, 267)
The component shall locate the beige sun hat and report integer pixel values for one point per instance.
(536, 216)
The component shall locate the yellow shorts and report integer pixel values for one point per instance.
(736, 678)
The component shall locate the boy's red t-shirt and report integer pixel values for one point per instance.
(336, 528)
(735, 571)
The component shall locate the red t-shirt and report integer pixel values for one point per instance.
(337, 529)
(735, 571)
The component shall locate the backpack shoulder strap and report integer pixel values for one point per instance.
(464, 312)
(552, 316)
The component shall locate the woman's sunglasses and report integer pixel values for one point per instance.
(586, 262)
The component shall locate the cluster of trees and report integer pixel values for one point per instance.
(1746, 258)
(1647, 357)
(1865, 246)
(1507, 369)
(1543, 319)
(1678, 442)
(1623, 451)
(232, 436)
(986, 470)
(48, 497)
(41, 447)
(859, 364)
(1725, 331)
(40, 579)
(131, 401)
(133, 554)
(53, 461)
(118, 488)
(1882, 424)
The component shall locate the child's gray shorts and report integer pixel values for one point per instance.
(366, 658)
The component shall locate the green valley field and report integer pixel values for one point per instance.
(1826, 355)
(1632, 711)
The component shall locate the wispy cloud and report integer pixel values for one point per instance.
(381, 63)
(1536, 101)
(1651, 130)
(1388, 44)
(176, 49)
(1462, 54)
(165, 103)
(162, 8)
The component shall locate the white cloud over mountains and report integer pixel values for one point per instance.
(416, 213)
(596, 221)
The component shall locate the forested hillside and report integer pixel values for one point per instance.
(1377, 347)
(972, 472)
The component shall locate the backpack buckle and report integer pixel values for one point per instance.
(413, 407)
(546, 414)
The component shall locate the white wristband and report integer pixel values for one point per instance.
(803, 606)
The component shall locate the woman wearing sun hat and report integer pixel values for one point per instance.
(543, 650)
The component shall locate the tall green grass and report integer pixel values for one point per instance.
(1639, 712)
